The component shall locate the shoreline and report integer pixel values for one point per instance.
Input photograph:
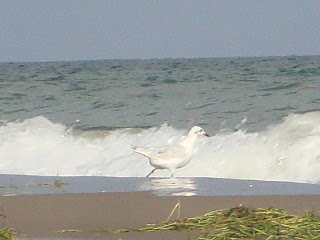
(181, 186)
(44, 214)
(36, 207)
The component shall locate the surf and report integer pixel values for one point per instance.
(288, 151)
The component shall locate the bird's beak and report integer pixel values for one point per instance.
(206, 134)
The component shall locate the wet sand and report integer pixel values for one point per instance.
(42, 215)
(187, 186)
(35, 207)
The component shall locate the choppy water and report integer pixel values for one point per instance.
(80, 118)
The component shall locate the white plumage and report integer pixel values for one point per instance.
(172, 157)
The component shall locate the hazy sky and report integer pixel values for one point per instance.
(50, 30)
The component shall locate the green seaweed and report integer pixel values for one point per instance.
(56, 183)
(7, 234)
(239, 223)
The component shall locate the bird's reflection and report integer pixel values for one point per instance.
(170, 186)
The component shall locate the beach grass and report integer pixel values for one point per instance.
(240, 223)
(7, 234)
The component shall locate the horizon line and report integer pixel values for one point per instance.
(160, 58)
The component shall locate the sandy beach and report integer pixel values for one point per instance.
(42, 215)
(38, 207)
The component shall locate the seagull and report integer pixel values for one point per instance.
(173, 156)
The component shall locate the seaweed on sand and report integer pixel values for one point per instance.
(238, 223)
(244, 223)
(6, 234)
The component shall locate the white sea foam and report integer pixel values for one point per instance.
(288, 151)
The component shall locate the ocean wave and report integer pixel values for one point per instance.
(288, 151)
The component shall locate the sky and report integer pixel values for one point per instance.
(60, 30)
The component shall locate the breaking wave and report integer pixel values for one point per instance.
(289, 151)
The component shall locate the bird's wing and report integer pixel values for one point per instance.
(170, 152)
(167, 152)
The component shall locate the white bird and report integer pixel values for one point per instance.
(173, 156)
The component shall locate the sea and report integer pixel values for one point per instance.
(81, 118)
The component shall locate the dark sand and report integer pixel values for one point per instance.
(41, 215)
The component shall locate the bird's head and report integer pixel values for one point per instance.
(198, 131)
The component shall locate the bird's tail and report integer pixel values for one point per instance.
(134, 147)
(140, 150)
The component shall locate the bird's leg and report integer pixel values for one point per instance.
(172, 173)
(151, 172)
